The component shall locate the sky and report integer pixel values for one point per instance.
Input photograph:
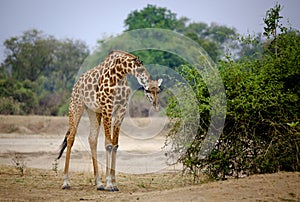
(91, 20)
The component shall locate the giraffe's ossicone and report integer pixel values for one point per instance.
(103, 91)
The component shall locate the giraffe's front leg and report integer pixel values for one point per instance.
(113, 167)
(119, 116)
(111, 151)
(109, 185)
(95, 120)
(93, 145)
(107, 116)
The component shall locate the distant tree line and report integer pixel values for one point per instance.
(38, 73)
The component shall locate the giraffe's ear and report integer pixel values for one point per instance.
(137, 61)
(159, 82)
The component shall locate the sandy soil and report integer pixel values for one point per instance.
(32, 142)
(36, 139)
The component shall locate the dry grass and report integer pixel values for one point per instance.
(33, 124)
(38, 184)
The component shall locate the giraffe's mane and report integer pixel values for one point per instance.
(122, 52)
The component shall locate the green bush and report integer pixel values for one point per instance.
(9, 106)
(20, 94)
(63, 110)
(261, 131)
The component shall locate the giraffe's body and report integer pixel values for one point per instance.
(103, 91)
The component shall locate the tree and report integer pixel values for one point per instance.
(272, 24)
(70, 55)
(214, 39)
(29, 55)
(156, 17)
(153, 17)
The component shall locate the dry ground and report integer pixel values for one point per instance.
(41, 185)
(33, 141)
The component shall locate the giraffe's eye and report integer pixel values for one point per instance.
(148, 91)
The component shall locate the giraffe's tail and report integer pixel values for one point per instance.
(63, 145)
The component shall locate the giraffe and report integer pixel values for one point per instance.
(103, 92)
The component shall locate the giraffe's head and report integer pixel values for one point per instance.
(151, 92)
(151, 87)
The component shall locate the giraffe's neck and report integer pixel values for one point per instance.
(127, 64)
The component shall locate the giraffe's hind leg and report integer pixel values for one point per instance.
(75, 113)
(119, 117)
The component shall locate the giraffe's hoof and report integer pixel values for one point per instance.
(116, 188)
(67, 187)
(110, 189)
(101, 188)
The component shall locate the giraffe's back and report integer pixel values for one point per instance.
(95, 90)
